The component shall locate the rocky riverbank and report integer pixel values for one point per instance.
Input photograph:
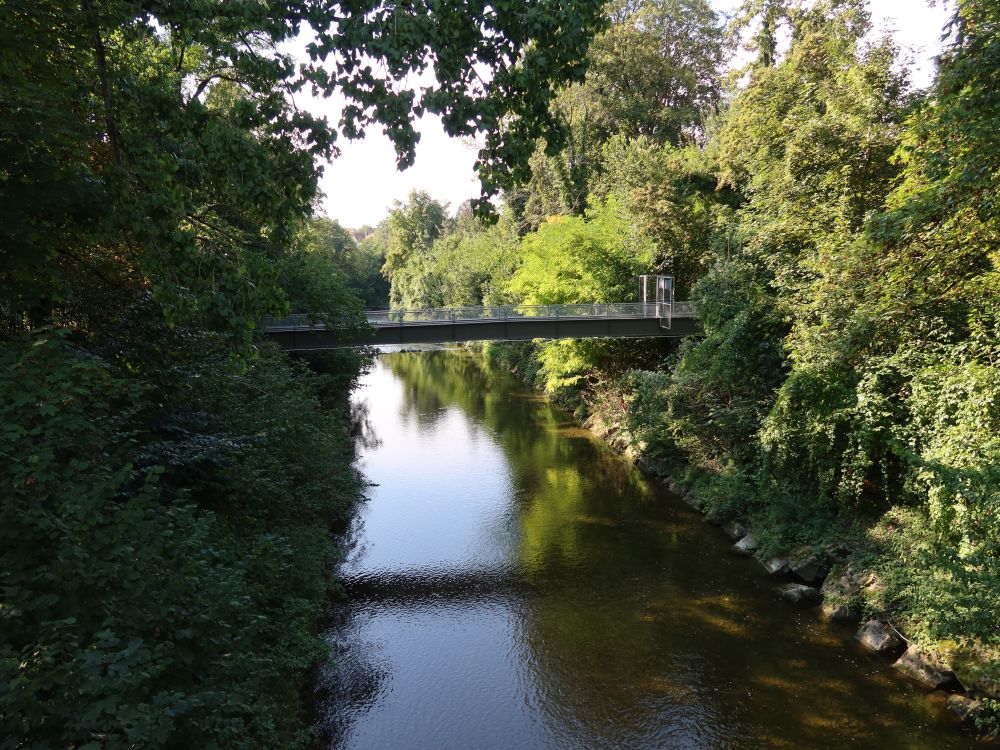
(828, 578)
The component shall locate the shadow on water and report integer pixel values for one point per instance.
(516, 584)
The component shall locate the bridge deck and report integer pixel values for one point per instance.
(510, 323)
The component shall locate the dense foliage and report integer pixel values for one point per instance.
(433, 260)
(838, 232)
(322, 243)
(165, 549)
(169, 481)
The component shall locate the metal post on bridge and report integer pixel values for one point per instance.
(662, 296)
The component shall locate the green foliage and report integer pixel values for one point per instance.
(179, 162)
(591, 259)
(944, 602)
(839, 235)
(725, 383)
(893, 393)
(648, 414)
(474, 261)
(809, 143)
(672, 199)
(412, 229)
(434, 261)
(579, 260)
(153, 592)
(326, 253)
(849, 363)
(655, 72)
(95, 566)
(517, 357)
(651, 75)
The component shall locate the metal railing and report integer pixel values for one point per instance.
(379, 318)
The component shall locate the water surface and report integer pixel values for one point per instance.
(515, 584)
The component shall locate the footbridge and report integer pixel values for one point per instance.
(504, 323)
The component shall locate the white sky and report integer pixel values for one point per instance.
(360, 186)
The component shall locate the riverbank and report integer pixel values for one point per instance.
(856, 568)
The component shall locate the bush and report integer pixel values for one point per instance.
(164, 544)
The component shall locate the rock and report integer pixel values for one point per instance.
(978, 681)
(777, 566)
(837, 551)
(734, 530)
(841, 614)
(880, 638)
(840, 591)
(923, 668)
(746, 545)
(809, 567)
(798, 594)
(648, 466)
(872, 584)
(691, 499)
(965, 708)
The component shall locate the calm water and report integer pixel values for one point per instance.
(515, 584)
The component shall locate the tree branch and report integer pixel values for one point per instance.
(102, 74)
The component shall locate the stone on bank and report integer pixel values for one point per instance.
(798, 594)
(746, 546)
(925, 670)
(880, 638)
(840, 592)
(734, 530)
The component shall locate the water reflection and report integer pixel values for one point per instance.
(518, 585)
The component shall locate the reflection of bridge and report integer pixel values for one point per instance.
(399, 586)
(510, 323)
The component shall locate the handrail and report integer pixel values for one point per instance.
(380, 318)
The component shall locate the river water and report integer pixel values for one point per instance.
(515, 584)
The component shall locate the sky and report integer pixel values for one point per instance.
(361, 184)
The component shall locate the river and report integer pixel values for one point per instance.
(515, 584)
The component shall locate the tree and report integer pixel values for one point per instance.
(656, 71)
(412, 229)
(581, 260)
(474, 261)
(672, 199)
(808, 147)
(158, 163)
(359, 264)
(570, 259)
(653, 73)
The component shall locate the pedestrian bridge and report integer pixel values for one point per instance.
(505, 323)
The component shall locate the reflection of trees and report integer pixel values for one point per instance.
(583, 542)
(632, 629)
(361, 428)
(536, 438)
(349, 685)
(591, 542)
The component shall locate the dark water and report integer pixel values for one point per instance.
(517, 585)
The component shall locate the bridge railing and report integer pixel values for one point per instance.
(662, 310)
(511, 312)
(682, 309)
